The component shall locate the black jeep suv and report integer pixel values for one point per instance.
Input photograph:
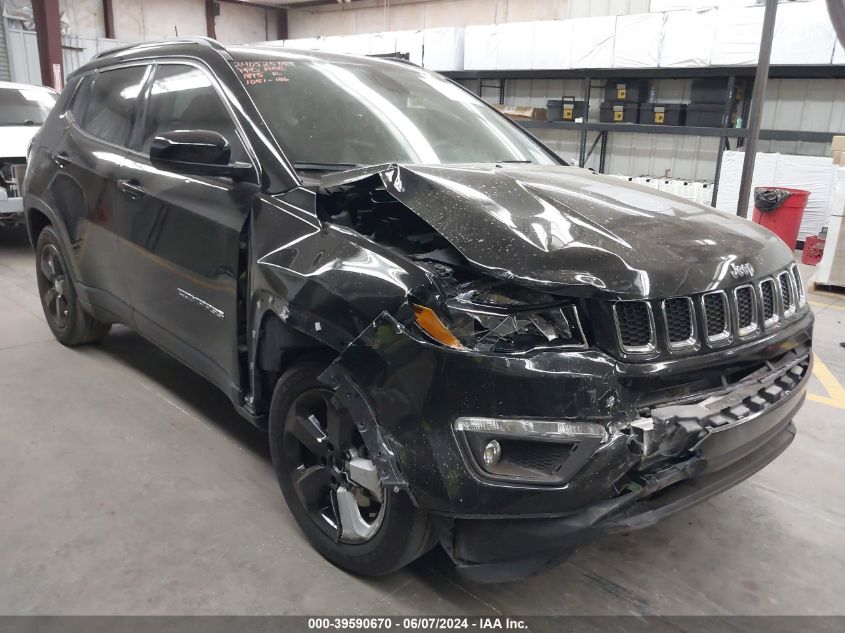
(450, 334)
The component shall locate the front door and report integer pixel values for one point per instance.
(182, 233)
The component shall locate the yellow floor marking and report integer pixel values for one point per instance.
(835, 392)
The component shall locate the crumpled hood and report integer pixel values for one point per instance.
(569, 230)
(15, 140)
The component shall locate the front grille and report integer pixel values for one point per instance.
(716, 315)
(634, 324)
(786, 293)
(799, 286)
(679, 321)
(767, 290)
(717, 318)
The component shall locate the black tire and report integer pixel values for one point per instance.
(68, 320)
(404, 533)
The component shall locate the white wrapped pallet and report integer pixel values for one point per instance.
(358, 44)
(592, 42)
(730, 176)
(687, 40)
(410, 43)
(816, 174)
(515, 45)
(637, 40)
(738, 34)
(838, 54)
(306, 43)
(552, 44)
(443, 49)
(382, 43)
(803, 34)
(481, 47)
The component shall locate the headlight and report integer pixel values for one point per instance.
(507, 320)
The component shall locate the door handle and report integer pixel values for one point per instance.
(61, 158)
(131, 188)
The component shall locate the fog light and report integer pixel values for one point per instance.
(492, 453)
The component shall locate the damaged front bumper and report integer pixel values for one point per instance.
(406, 394)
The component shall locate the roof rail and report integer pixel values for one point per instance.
(198, 39)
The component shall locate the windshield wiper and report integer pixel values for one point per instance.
(308, 166)
(525, 162)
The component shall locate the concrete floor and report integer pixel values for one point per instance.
(128, 485)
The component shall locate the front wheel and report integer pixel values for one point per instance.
(331, 485)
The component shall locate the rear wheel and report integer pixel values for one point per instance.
(68, 320)
(331, 485)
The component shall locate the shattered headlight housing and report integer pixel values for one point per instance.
(504, 319)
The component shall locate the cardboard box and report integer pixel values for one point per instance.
(839, 157)
(838, 144)
(522, 113)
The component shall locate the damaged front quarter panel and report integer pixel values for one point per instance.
(411, 391)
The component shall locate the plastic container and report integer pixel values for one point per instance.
(780, 210)
(663, 113)
(705, 114)
(572, 109)
(632, 90)
(813, 250)
(554, 110)
(619, 112)
(709, 91)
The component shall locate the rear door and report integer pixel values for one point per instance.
(182, 233)
(84, 190)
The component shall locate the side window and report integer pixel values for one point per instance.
(183, 98)
(111, 104)
(80, 98)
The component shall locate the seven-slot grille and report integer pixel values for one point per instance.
(767, 289)
(633, 320)
(716, 315)
(680, 323)
(719, 313)
(745, 310)
(786, 293)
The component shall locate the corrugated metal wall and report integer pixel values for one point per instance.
(5, 71)
(791, 104)
(23, 53)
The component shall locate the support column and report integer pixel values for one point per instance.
(758, 98)
(282, 24)
(49, 37)
(108, 19)
(211, 10)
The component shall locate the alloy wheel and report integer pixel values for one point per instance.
(330, 469)
(53, 285)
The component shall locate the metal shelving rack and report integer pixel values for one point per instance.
(724, 132)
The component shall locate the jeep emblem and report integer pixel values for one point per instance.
(742, 270)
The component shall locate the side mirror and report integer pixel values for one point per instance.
(198, 152)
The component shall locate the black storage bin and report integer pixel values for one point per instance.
(619, 112)
(663, 113)
(633, 90)
(572, 109)
(705, 114)
(554, 108)
(709, 91)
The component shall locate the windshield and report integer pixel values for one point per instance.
(25, 106)
(349, 112)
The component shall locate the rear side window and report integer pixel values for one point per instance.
(110, 104)
(182, 97)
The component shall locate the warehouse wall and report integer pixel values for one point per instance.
(139, 20)
(796, 104)
(402, 15)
